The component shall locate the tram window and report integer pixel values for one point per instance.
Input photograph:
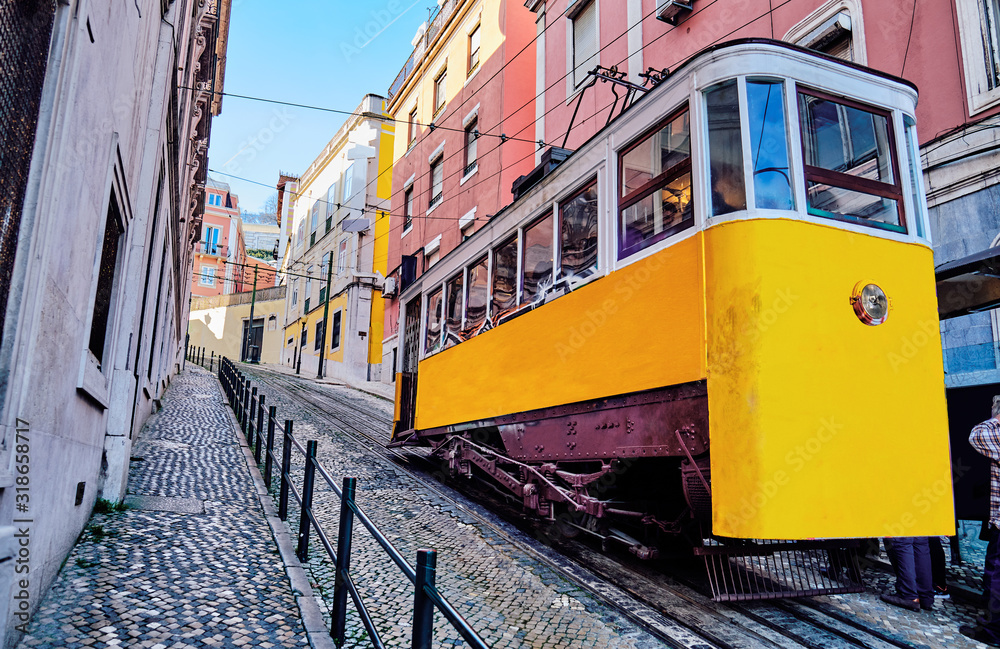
(772, 181)
(656, 186)
(504, 277)
(536, 276)
(914, 161)
(578, 235)
(850, 166)
(453, 306)
(478, 294)
(725, 144)
(434, 313)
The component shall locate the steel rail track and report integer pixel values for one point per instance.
(683, 608)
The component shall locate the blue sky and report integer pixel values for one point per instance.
(320, 53)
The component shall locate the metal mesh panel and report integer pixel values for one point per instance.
(25, 30)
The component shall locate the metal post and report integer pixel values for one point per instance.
(252, 418)
(338, 621)
(269, 456)
(211, 362)
(423, 607)
(238, 405)
(302, 552)
(321, 365)
(286, 469)
(259, 431)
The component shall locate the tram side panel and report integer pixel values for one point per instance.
(823, 426)
(639, 328)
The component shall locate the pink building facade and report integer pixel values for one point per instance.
(220, 258)
(465, 116)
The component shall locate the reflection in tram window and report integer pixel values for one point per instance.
(725, 148)
(578, 235)
(656, 187)
(432, 343)
(504, 277)
(772, 182)
(478, 294)
(850, 167)
(537, 262)
(453, 306)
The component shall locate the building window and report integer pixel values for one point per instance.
(471, 139)
(439, 91)
(335, 331)
(314, 223)
(301, 235)
(308, 297)
(835, 28)
(207, 277)
(408, 208)
(411, 132)
(979, 26)
(473, 49)
(320, 335)
(105, 280)
(348, 182)
(342, 257)
(211, 245)
(437, 181)
(850, 164)
(655, 186)
(331, 205)
(295, 292)
(322, 277)
(584, 41)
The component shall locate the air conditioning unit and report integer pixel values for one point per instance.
(671, 11)
(389, 287)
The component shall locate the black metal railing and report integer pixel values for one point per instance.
(203, 357)
(259, 430)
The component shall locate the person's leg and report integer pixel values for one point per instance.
(990, 621)
(990, 565)
(923, 573)
(939, 569)
(906, 577)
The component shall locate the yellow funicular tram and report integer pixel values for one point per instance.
(707, 312)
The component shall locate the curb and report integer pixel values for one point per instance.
(309, 611)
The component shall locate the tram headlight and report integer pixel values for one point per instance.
(870, 302)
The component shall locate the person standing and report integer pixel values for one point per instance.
(985, 438)
(911, 559)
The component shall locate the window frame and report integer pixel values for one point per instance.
(472, 66)
(592, 181)
(471, 140)
(522, 250)
(320, 337)
(654, 184)
(972, 28)
(573, 67)
(436, 199)
(407, 208)
(847, 181)
(204, 278)
(336, 322)
(411, 132)
(440, 90)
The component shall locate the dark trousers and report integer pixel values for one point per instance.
(912, 561)
(938, 564)
(991, 583)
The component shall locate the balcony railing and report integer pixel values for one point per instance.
(437, 22)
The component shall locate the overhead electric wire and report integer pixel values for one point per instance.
(504, 138)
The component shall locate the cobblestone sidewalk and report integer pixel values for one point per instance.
(192, 562)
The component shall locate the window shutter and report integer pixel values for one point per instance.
(584, 43)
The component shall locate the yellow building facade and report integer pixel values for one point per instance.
(337, 254)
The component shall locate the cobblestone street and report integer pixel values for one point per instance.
(191, 562)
